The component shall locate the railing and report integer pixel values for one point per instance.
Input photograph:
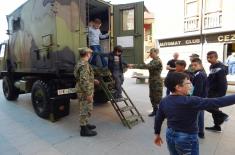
(213, 20)
(191, 24)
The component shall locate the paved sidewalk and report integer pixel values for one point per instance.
(22, 132)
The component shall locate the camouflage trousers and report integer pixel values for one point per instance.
(155, 92)
(85, 109)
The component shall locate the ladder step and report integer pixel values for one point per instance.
(120, 99)
(126, 108)
(113, 91)
(132, 119)
(109, 82)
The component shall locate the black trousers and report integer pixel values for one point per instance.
(218, 116)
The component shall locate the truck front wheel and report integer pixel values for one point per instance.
(41, 99)
(10, 91)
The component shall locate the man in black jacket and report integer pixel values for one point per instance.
(115, 65)
(200, 89)
(217, 87)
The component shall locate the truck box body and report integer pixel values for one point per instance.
(45, 40)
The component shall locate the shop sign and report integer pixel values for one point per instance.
(221, 37)
(179, 41)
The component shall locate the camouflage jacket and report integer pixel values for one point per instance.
(154, 67)
(84, 77)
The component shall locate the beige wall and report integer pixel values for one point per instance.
(170, 19)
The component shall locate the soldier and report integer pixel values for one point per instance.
(85, 87)
(155, 81)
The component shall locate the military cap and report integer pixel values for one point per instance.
(153, 50)
(194, 55)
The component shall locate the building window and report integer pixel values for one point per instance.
(213, 6)
(128, 19)
(16, 24)
(191, 15)
(213, 14)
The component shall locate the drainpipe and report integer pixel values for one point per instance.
(201, 28)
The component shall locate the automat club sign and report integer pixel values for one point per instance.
(179, 42)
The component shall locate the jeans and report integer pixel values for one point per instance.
(201, 121)
(119, 79)
(93, 60)
(231, 68)
(180, 143)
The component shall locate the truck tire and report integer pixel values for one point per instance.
(41, 99)
(10, 91)
(100, 97)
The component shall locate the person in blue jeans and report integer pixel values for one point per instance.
(116, 66)
(181, 112)
(94, 35)
(200, 89)
(231, 63)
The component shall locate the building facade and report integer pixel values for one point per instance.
(196, 26)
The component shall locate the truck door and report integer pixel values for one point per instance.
(129, 30)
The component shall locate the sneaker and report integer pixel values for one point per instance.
(201, 135)
(214, 128)
(153, 113)
(225, 118)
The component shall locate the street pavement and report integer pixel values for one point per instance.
(22, 132)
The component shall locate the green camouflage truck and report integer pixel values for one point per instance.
(44, 38)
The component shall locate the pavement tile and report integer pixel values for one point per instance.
(22, 132)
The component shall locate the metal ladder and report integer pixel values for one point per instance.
(124, 107)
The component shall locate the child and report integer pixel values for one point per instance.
(180, 66)
(200, 89)
(181, 112)
(115, 65)
(94, 41)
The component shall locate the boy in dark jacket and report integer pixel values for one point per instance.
(181, 112)
(180, 66)
(217, 87)
(200, 89)
(115, 65)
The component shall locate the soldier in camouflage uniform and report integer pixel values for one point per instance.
(155, 81)
(85, 88)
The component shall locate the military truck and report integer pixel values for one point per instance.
(44, 38)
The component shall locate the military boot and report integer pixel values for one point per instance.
(153, 113)
(86, 132)
(90, 126)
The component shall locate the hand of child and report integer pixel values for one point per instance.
(158, 140)
(130, 65)
(97, 82)
(89, 98)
